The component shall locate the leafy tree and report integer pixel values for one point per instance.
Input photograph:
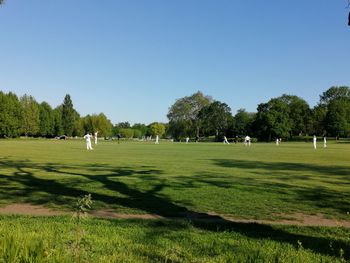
(242, 122)
(183, 115)
(68, 116)
(214, 118)
(31, 119)
(126, 132)
(272, 120)
(57, 116)
(336, 103)
(144, 130)
(103, 125)
(338, 117)
(11, 115)
(100, 123)
(299, 114)
(318, 120)
(46, 120)
(334, 93)
(157, 128)
(123, 125)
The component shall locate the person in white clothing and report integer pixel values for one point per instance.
(95, 137)
(247, 141)
(157, 140)
(225, 140)
(277, 141)
(187, 139)
(314, 142)
(88, 137)
(324, 142)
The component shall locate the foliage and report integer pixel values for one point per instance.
(242, 122)
(214, 118)
(57, 115)
(183, 115)
(284, 117)
(336, 102)
(68, 116)
(126, 133)
(144, 130)
(11, 115)
(157, 128)
(46, 120)
(31, 118)
(97, 123)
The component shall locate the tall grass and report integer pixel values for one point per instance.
(40, 239)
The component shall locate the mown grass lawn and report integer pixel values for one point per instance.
(170, 179)
(264, 181)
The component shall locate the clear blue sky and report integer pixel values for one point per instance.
(133, 59)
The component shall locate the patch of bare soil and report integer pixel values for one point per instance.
(106, 213)
(30, 209)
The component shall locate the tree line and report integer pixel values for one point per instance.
(25, 116)
(286, 117)
(195, 116)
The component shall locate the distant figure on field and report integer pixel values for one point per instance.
(324, 142)
(187, 139)
(277, 141)
(280, 140)
(157, 140)
(247, 141)
(88, 137)
(95, 137)
(225, 140)
(314, 142)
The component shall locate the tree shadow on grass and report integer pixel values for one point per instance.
(339, 172)
(27, 180)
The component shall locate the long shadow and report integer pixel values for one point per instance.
(150, 201)
(340, 172)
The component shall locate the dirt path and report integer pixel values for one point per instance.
(295, 219)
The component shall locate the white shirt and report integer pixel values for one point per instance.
(87, 137)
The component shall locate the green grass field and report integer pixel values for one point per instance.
(263, 182)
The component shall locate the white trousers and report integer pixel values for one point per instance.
(88, 145)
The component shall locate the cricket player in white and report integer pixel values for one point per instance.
(187, 139)
(247, 141)
(157, 139)
(324, 142)
(95, 137)
(225, 140)
(87, 137)
(314, 142)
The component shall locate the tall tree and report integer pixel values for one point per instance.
(57, 114)
(11, 115)
(183, 115)
(338, 117)
(336, 104)
(272, 120)
(299, 114)
(46, 120)
(31, 119)
(242, 122)
(214, 118)
(68, 116)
